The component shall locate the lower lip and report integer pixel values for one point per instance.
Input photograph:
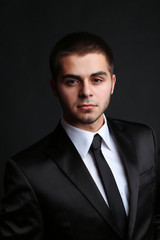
(86, 107)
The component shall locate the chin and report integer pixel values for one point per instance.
(87, 119)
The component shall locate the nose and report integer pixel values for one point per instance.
(85, 90)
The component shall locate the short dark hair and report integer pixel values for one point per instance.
(80, 43)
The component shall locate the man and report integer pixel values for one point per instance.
(57, 188)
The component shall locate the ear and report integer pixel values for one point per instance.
(53, 87)
(113, 83)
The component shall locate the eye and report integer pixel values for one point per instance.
(72, 82)
(97, 80)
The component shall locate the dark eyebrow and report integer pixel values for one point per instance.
(98, 73)
(71, 76)
(79, 78)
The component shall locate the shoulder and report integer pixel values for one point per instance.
(128, 126)
(133, 131)
(36, 153)
(36, 149)
(133, 135)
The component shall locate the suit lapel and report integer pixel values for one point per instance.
(69, 161)
(127, 152)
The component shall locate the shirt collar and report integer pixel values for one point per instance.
(82, 139)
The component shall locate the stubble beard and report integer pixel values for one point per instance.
(87, 117)
(92, 119)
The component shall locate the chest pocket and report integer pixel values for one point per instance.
(147, 177)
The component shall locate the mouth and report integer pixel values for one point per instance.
(87, 106)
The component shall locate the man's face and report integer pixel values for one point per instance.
(84, 86)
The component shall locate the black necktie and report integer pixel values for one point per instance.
(110, 186)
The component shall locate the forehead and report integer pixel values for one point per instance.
(83, 64)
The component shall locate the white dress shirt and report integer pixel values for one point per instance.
(82, 140)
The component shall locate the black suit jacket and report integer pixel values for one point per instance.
(49, 193)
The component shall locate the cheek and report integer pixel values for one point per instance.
(67, 97)
(104, 93)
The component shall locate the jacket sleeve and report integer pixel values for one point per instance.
(157, 207)
(20, 215)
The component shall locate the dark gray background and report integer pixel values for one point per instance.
(29, 29)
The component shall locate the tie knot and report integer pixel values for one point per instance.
(96, 143)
